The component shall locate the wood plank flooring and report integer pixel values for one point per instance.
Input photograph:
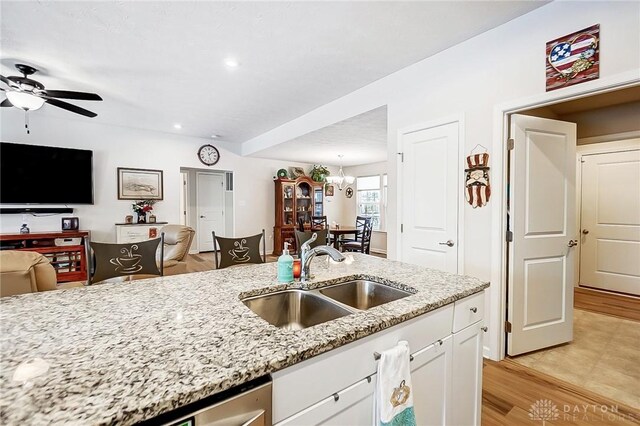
(619, 305)
(510, 390)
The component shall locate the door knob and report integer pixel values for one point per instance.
(448, 243)
(573, 243)
(585, 231)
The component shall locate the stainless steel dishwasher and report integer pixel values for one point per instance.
(245, 405)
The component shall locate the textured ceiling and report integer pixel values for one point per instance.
(160, 63)
(361, 140)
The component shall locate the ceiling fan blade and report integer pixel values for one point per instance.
(6, 103)
(66, 94)
(4, 79)
(72, 108)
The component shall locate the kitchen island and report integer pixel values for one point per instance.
(122, 353)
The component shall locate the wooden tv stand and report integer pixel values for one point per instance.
(69, 261)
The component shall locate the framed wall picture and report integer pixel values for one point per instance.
(329, 190)
(139, 184)
(70, 224)
(574, 58)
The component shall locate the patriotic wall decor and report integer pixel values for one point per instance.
(477, 187)
(574, 58)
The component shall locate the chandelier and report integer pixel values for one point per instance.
(340, 180)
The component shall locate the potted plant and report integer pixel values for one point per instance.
(319, 173)
(141, 208)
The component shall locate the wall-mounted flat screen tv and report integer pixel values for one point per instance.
(34, 174)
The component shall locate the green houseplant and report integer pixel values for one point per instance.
(319, 173)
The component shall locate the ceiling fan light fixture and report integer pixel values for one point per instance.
(25, 101)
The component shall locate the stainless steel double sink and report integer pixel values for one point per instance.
(297, 309)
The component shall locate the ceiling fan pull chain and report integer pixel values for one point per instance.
(26, 122)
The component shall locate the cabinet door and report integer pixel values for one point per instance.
(467, 375)
(431, 380)
(353, 406)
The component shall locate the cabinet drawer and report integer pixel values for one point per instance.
(468, 311)
(352, 406)
(297, 387)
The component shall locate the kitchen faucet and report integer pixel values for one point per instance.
(307, 254)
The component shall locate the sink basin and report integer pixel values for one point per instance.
(363, 294)
(294, 309)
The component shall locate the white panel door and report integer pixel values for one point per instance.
(431, 380)
(210, 203)
(610, 251)
(543, 221)
(430, 197)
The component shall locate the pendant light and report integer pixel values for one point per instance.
(340, 180)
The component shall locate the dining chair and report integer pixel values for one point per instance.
(319, 222)
(110, 260)
(303, 236)
(239, 251)
(301, 224)
(363, 244)
(361, 223)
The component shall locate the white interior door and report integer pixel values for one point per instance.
(430, 197)
(610, 251)
(210, 191)
(542, 212)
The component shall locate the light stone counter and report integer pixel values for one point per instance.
(122, 353)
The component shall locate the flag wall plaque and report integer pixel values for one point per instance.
(574, 58)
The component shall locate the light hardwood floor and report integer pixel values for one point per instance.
(511, 392)
(604, 357)
(604, 302)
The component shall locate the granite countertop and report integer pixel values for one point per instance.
(122, 353)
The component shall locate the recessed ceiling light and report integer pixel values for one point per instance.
(231, 62)
(177, 126)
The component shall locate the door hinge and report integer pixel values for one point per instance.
(510, 144)
(401, 154)
(509, 236)
(507, 326)
(402, 227)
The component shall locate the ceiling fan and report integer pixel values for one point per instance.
(29, 95)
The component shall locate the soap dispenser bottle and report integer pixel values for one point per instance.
(285, 266)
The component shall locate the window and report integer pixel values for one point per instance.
(372, 199)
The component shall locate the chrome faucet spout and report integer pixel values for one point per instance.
(307, 254)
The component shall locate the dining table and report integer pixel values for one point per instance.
(337, 233)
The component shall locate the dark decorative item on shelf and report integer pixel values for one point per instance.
(477, 187)
(152, 218)
(24, 229)
(70, 224)
(282, 174)
(348, 192)
(329, 190)
(136, 184)
(208, 155)
(319, 173)
(296, 172)
(574, 58)
(28, 94)
(128, 219)
(141, 208)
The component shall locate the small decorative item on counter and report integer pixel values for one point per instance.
(141, 208)
(285, 266)
(153, 232)
(152, 218)
(297, 268)
(70, 224)
(24, 229)
(128, 218)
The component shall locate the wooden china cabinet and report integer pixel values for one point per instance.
(295, 199)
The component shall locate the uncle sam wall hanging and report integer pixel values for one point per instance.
(477, 187)
(574, 58)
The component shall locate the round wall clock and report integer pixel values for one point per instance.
(208, 155)
(348, 192)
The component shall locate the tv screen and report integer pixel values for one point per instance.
(33, 174)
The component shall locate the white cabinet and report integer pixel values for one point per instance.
(126, 233)
(467, 376)
(431, 380)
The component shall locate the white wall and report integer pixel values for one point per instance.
(126, 147)
(468, 81)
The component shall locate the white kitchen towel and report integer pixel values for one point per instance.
(393, 401)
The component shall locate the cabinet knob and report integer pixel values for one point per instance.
(336, 397)
(484, 329)
(473, 309)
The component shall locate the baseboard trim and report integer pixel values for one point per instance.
(608, 303)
